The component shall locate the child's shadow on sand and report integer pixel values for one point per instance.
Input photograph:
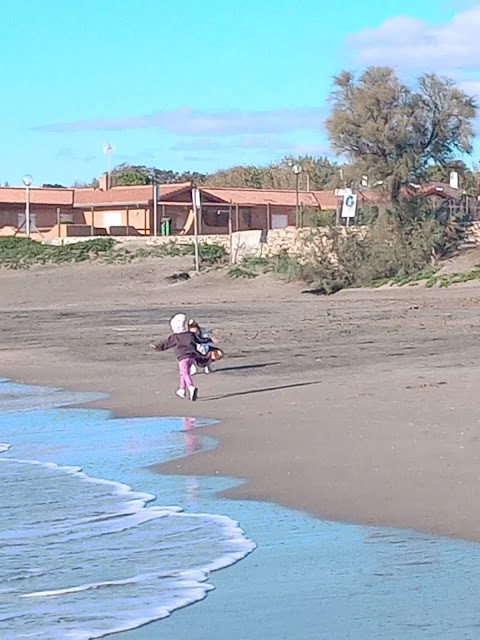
(263, 390)
(246, 367)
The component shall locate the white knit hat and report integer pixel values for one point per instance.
(178, 323)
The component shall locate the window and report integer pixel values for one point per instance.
(215, 217)
(21, 221)
(66, 217)
(8, 218)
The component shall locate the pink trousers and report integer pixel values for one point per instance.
(184, 370)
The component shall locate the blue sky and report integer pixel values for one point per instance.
(204, 86)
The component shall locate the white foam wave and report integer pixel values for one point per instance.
(104, 530)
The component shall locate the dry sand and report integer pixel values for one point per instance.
(362, 407)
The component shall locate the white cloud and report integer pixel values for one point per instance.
(411, 44)
(470, 86)
(210, 122)
(259, 143)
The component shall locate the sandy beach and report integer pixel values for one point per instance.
(360, 407)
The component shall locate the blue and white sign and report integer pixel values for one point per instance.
(349, 206)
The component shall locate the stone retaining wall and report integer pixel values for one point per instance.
(300, 242)
(303, 243)
(473, 233)
(148, 241)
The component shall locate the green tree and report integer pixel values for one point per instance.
(469, 178)
(125, 175)
(471, 181)
(323, 173)
(78, 184)
(192, 176)
(393, 133)
(236, 177)
(317, 174)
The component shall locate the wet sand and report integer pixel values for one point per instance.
(361, 407)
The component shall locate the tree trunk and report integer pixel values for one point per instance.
(395, 190)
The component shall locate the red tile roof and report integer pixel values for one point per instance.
(87, 197)
(441, 189)
(38, 195)
(429, 189)
(141, 195)
(122, 196)
(278, 197)
(327, 200)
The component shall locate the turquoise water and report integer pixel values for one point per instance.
(83, 555)
(110, 557)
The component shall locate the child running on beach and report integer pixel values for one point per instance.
(183, 341)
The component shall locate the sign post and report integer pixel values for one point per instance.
(196, 206)
(349, 206)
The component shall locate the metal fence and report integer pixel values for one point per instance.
(465, 210)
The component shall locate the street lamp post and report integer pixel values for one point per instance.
(297, 170)
(155, 207)
(27, 181)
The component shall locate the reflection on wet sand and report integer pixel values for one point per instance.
(193, 444)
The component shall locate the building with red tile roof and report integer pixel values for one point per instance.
(131, 210)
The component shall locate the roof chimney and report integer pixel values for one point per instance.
(454, 179)
(104, 182)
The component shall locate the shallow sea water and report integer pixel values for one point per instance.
(82, 555)
(307, 578)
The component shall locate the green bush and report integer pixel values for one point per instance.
(17, 253)
(211, 254)
(256, 262)
(398, 245)
(317, 219)
(238, 271)
(287, 267)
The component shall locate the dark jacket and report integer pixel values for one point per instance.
(183, 343)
